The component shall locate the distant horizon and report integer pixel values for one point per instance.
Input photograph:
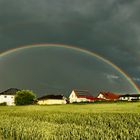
(62, 93)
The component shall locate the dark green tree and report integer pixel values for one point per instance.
(24, 97)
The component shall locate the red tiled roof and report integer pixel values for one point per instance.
(110, 96)
(99, 99)
(87, 97)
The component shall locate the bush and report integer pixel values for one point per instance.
(24, 97)
(3, 104)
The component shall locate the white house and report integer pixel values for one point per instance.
(130, 97)
(80, 96)
(51, 99)
(108, 96)
(8, 96)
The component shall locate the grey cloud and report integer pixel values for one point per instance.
(111, 28)
(136, 79)
(59, 69)
(110, 76)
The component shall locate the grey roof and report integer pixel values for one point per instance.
(82, 92)
(11, 91)
(51, 97)
(130, 95)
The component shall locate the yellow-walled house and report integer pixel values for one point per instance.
(51, 99)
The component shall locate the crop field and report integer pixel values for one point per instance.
(111, 121)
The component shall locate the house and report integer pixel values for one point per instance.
(80, 96)
(108, 96)
(51, 99)
(8, 96)
(130, 97)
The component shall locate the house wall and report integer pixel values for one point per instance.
(9, 99)
(83, 100)
(74, 98)
(51, 101)
(129, 98)
(124, 98)
(101, 96)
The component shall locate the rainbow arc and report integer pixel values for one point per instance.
(76, 49)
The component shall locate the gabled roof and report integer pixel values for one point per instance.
(110, 96)
(83, 94)
(11, 91)
(51, 97)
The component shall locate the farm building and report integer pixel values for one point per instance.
(8, 96)
(51, 99)
(130, 97)
(108, 96)
(80, 96)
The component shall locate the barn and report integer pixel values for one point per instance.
(51, 99)
(8, 96)
(80, 96)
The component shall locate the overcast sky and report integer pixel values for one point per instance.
(110, 28)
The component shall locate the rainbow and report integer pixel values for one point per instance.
(76, 49)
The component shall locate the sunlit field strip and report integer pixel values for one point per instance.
(87, 121)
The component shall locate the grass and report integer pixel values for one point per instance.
(105, 121)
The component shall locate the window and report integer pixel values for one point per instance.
(5, 96)
(12, 97)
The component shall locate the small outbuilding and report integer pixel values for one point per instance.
(51, 99)
(8, 96)
(80, 96)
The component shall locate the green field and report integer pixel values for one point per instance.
(118, 121)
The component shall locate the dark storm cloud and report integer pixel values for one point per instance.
(110, 28)
(60, 69)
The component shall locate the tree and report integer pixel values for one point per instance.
(24, 97)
